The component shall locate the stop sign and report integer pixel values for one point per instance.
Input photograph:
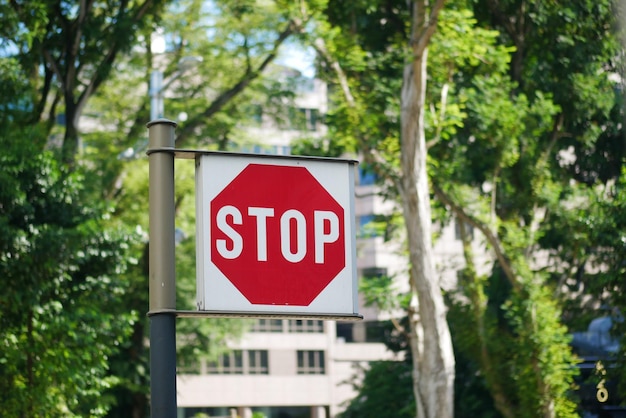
(276, 234)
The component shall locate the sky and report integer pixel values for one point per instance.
(296, 56)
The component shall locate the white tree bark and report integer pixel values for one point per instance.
(431, 343)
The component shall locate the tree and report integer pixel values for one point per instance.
(553, 164)
(492, 163)
(431, 345)
(61, 268)
(68, 50)
(57, 56)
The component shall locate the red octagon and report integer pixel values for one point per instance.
(277, 235)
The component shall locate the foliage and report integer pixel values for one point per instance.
(384, 387)
(67, 51)
(514, 139)
(384, 392)
(568, 172)
(472, 396)
(90, 62)
(600, 238)
(62, 314)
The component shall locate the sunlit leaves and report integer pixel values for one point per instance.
(461, 42)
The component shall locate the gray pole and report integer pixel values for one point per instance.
(162, 271)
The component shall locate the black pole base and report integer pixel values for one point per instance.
(163, 365)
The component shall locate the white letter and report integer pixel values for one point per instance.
(261, 215)
(320, 237)
(230, 232)
(285, 235)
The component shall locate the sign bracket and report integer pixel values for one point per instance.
(191, 154)
(253, 315)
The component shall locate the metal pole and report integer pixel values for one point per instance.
(162, 272)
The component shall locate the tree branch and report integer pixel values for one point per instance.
(442, 115)
(372, 155)
(100, 74)
(493, 240)
(320, 46)
(83, 11)
(426, 25)
(237, 88)
(478, 302)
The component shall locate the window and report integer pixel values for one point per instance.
(268, 325)
(367, 176)
(257, 362)
(306, 325)
(366, 331)
(186, 366)
(312, 118)
(367, 227)
(311, 362)
(293, 325)
(344, 331)
(375, 225)
(374, 272)
(241, 362)
(365, 219)
(303, 119)
(281, 150)
(469, 230)
(228, 363)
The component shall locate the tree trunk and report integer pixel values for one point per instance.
(70, 147)
(433, 356)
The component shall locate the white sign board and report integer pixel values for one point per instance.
(275, 235)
